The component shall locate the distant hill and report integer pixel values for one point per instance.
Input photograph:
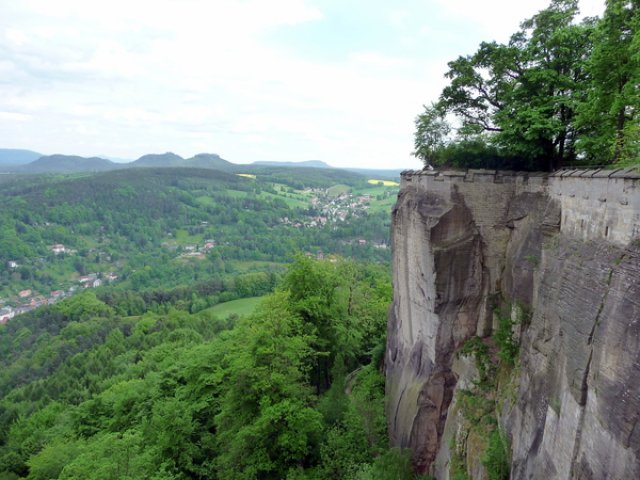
(213, 161)
(168, 159)
(68, 164)
(306, 163)
(209, 160)
(16, 156)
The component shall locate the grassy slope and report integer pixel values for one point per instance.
(241, 307)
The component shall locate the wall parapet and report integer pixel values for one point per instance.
(499, 176)
(597, 203)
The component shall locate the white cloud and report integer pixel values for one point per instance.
(501, 18)
(124, 78)
(14, 116)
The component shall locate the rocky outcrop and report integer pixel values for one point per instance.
(562, 247)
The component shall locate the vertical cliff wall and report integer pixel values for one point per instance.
(562, 247)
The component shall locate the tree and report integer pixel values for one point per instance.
(609, 117)
(266, 424)
(540, 121)
(523, 95)
(431, 134)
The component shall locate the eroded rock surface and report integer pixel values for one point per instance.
(564, 249)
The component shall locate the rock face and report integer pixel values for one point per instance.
(563, 247)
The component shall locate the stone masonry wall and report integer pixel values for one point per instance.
(460, 239)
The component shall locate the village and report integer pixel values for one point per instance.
(27, 300)
(324, 209)
(327, 209)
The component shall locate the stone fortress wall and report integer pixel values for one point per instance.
(596, 204)
(567, 245)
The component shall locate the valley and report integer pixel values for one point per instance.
(152, 228)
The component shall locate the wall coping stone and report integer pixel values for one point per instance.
(632, 173)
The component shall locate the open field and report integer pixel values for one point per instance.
(241, 307)
(337, 190)
(386, 183)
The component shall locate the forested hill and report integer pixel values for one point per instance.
(173, 226)
(68, 163)
(76, 164)
(14, 156)
(132, 371)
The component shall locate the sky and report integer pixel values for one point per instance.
(282, 80)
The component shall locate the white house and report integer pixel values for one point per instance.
(57, 248)
(6, 314)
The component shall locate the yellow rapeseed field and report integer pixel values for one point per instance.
(386, 183)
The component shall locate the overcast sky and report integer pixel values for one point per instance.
(333, 80)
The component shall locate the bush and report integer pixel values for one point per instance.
(496, 457)
(504, 338)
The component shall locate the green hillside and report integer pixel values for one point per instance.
(118, 386)
(166, 227)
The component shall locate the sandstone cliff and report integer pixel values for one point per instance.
(560, 254)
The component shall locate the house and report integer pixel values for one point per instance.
(13, 265)
(111, 277)
(190, 248)
(20, 309)
(38, 301)
(90, 281)
(57, 248)
(362, 242)
(209, 244)
(55, 296)
(6, 314)
(25, 293)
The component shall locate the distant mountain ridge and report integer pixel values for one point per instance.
(67, 164)
(17, 156)
(168, 159)
(75, 164)
(210, 160)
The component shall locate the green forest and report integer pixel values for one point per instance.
(294, 390)
(560, 92)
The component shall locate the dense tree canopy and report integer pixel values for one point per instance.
(559, 92)
(294, 391)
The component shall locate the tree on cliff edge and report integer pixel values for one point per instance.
(559, 92)
(609, 117)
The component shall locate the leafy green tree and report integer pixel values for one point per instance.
(522, 97)
(266, 424)
(609, 117)
(431, 134)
